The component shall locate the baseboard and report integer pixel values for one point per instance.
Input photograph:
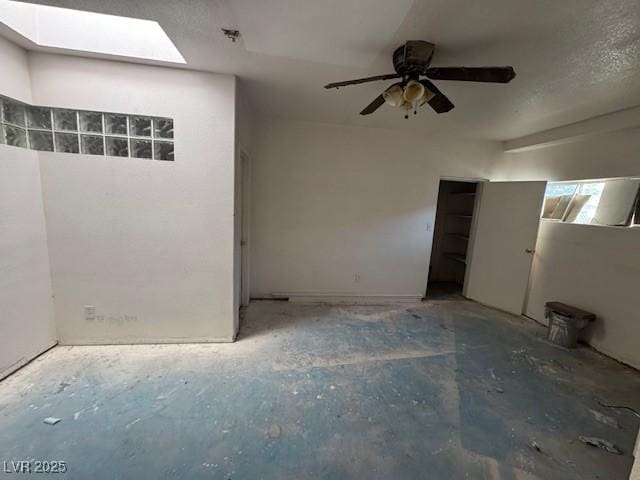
(25, 361)
(145, 341)
(349, 299)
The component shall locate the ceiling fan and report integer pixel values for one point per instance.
(411, 61)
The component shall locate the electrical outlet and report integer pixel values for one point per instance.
(356, 278)
(89, 312)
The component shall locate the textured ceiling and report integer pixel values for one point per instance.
(360, 30)
(574, 59)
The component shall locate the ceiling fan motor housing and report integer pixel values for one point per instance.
(413, 58)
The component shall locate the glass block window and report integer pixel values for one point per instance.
(39, 118)
(116, 124)
(66, 120)
(13, 113)
(163, 127)
(91, 122)
(15, 136)
(163, 151)
(85, 132)
(140, 127)
(40, 140)
(141, 148)
(67, 142)
(92, 144)
(117, 147)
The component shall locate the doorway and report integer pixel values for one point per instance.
(452, 234)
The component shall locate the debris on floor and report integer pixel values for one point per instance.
(433, 392)
(620, 407)
(605, 419)
(62, 387)
(601, 444)
(274, 431)
(51, 420)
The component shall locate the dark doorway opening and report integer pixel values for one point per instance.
(451, 238)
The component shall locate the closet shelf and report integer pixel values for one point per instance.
(459, 216)
(456, 256)
(458, 235)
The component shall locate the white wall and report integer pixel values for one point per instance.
(593, 267)
(149, 244)
(597, 269)
(330, 202)
(26, 309)
(600, 156)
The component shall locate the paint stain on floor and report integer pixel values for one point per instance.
(446, 389)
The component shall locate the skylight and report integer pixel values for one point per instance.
(80, 31)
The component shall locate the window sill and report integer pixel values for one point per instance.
(619, 227)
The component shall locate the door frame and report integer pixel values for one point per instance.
(472, 233)
(245, 217)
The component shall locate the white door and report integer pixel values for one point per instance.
(504, 243)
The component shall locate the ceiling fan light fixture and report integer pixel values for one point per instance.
(414, 91)
(393, 95)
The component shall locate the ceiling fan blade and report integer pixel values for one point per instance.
(373, 106)
(472, 74)
(440, 103)
(362, 80)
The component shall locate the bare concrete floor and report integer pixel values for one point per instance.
(439, 390)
